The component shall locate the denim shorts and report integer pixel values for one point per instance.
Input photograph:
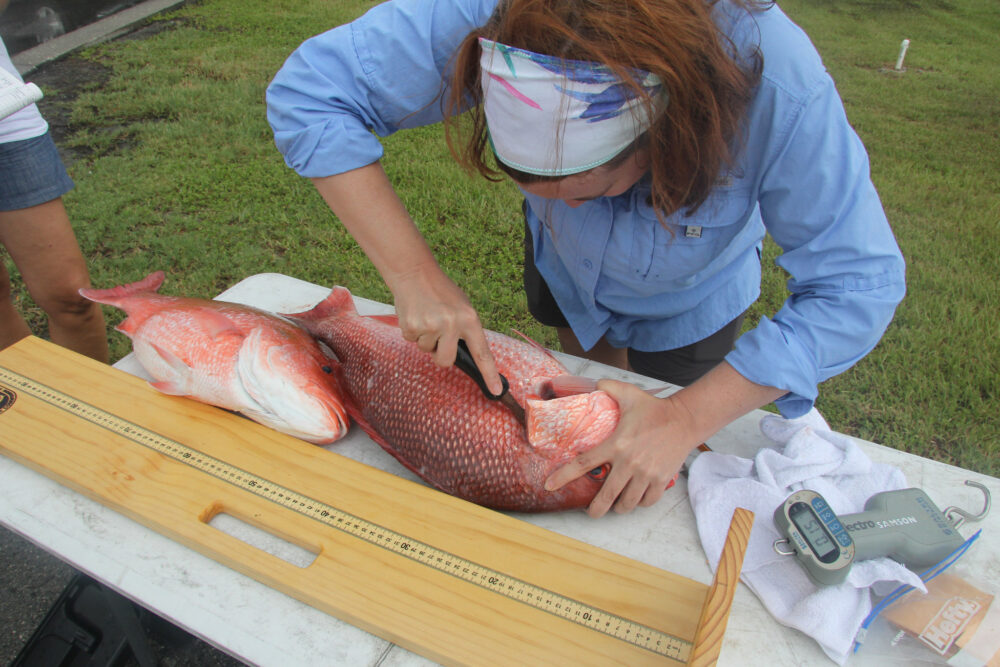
(31, 173)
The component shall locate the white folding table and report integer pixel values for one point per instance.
(261, 626)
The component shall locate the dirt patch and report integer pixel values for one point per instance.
(65, 79)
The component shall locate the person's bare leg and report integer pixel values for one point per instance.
(12, 326)
(44, 248)
(602, 352)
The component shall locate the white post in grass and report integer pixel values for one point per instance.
(902, 54)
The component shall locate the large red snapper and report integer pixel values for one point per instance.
(437, 422)
(231, 356)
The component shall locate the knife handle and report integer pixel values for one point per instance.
(464, 362)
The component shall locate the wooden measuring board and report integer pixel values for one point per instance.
(450, 580)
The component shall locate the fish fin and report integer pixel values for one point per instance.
(366, 426)
(171, 387)
(535, 344)
(389, 449)
(215, 324)
(327, 352)
(128, 326)
(570, 385)
(351, 405)
(354, 411)
(178, 384)
(175, 362)
(150, 283)
(392, 320)
(338, 302)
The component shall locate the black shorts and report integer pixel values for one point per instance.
(680, 366)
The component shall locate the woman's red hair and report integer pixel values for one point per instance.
(692, 143)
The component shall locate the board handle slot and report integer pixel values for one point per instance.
(255, 532)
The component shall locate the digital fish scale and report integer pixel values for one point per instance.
(553, 597)
(904, 525)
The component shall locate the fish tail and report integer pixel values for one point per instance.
(150, 283)
(339, 302)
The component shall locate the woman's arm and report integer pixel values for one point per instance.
(334, 96)
(433, 312)
(847, 276)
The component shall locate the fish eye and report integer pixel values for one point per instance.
(599, 473)
(326, 369)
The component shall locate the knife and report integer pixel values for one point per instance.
(464, 362)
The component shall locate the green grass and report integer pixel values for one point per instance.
(932, 385)
(181, 174)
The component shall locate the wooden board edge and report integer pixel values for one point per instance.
(719, 600)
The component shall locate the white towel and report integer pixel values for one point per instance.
(806, 455)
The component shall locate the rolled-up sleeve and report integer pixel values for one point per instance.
(341, 90)
(847, 273)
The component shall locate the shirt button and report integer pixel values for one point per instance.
(587, 264)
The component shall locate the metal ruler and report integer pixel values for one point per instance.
(478, 574)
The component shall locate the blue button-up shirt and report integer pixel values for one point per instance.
(615, 270)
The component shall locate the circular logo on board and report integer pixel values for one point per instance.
(7, 398)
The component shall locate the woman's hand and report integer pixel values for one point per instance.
(653, 438)
(435, 313)
(655, 435)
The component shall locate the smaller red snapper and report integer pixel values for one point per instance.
(232, 356)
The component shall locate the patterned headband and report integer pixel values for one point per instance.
(554, 117)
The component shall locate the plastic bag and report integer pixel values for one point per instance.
(957, 622)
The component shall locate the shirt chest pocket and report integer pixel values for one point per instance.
(654, 258)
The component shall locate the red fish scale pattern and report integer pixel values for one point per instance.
(437, 422)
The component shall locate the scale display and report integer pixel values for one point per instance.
(816, 536)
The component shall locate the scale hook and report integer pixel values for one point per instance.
(959, 516)
(782, 552)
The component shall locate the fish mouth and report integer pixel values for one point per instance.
(283, 391)
(310, 417)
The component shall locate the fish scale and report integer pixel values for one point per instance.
(437, 422)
